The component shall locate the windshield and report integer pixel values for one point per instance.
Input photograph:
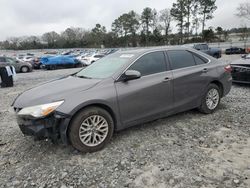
(105, 67)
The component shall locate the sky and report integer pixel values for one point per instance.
(35, 17)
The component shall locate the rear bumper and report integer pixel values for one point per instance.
(53, 127)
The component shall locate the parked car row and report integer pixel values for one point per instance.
(65, 59)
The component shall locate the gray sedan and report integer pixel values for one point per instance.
(122, 90)
(19, 66)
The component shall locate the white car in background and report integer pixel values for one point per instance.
(25, 58)
(93, 58)
(81, 58)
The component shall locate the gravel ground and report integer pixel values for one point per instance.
(185, 150)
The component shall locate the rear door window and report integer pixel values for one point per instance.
(150, 63)
(180, 59)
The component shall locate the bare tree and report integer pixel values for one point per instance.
(165, 18)
(244, 34)
(155, 19)
(206, 9)
(243, 10)
(50, 38)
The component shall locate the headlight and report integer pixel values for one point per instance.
(40, 110)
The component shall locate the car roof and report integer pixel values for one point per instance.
(140, 51)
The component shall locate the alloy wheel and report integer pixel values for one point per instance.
(25, 69)
(212, 99)
(93, 130)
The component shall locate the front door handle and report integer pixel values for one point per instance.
(205, 70)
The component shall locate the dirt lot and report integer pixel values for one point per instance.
(185, 150)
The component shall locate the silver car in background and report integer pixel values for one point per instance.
(22, 67)
(122, 90)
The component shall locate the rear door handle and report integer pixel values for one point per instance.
(205, 70)
(166, 79)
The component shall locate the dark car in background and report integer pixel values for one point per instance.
(120, 90)
(241, 70)
(61, 61)
(235, 50)
(203, 47)
(36, 63)
(22, 67)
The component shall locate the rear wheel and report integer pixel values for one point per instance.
(91, 129)
(78, 65)
(52, 67)
(217, 56)
(211, 99)
(40, 66)
(25, 69)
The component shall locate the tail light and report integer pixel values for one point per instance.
(228, 68)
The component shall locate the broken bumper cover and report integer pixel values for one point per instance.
(53, 127)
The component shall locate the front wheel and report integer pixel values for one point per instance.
(211, 99)
(216, 56)
(78, 65)
(51, 67)
(25, 69)
(91, 129)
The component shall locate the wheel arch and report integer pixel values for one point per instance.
(97, 104)
(220, 85)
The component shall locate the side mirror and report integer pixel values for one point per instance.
(131, 75)
(17, 61)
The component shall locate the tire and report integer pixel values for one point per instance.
(81, 124)
(78, 65)
(25, 69)
(217, 56)
(52, 67)
(209, 107)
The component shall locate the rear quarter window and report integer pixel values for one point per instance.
(199, 60)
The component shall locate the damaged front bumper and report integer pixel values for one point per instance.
(52, 127)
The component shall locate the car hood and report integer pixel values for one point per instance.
(54, 91)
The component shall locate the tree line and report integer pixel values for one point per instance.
(150, 28)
